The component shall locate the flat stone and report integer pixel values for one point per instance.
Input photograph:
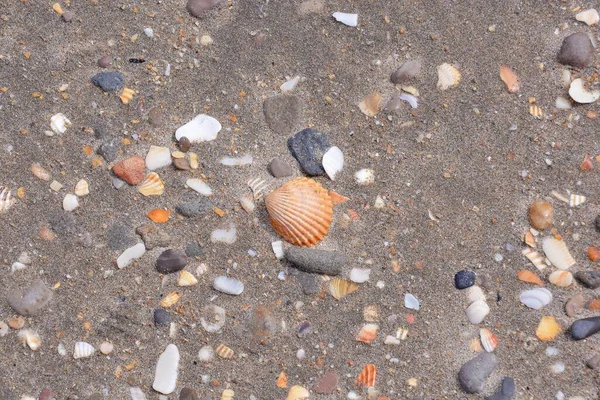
(576, 50)
(65, 223)
(188, 394)
(194, 250)
(473, 373)
(155, 117)
(328, 383)
(308, 147)
(574, 305)
(283, 113)
(153, 236)
(308, 283)
(584, 328)
(593, 362)
(120, 236)
(131, 170)
(198, 7)
(161, 317)
(192, 205)
(316, 261)
(170, 261)
(109, 149)
(590, 279)
(464, 279)
(506, 391)
(30, 300)
(181, 164)
(109, 81)
(165, 377)
(279, 168)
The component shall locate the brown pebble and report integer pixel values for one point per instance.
(155, 116)
(574, 305)
(181, 164)
(541, 215)
(105, 61)
(184, 144)
(68, 16)
(46, 394)
(594, 362)
(593, 304)
(328, 383)
(16, 322)
(130, 170)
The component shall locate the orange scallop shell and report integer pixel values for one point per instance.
(367, 376)
(300, 211)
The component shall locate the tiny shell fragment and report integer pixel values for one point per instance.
(587, 164)
(536, 111)
(282, 380)
(106, 348)
(57, 9)
(82, 188)
(589, 17)
(580, 94)
(227, 394)
(367, 376)
(371, 313)
(547, 329)
(576, 200)
(365, 176)
(83, 350)
(224, 351)
(367, 333)
(488, 339)
(31, 338)
(340, 288)
(170, 299)
(127, 95)
(448, 76)
(298, 393)
(152, 185)
(370, 104)
(510, 79)
(159, 215)
(557, 253)
(561, 278)
(40, 172)
(536, 258)
(186, 279)
(529, 277)
(477, 311)
(59, 123)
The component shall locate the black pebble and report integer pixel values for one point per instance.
(171, 261)
(464, 279)
(162, 317)
(584, 328)
(308, 147)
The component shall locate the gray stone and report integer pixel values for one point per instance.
(68, 16)
(506, 391)
(473, 373)
(109, 149)
(593, 362)
(576, 50)
(408, 70)
(101, 131)
(104, 61)
(192, 205)
(584, 328)
(283, 113)
(161, 317)
(31, 299)
(65, 223)
(308, 147)
(316, 261)
(279, 168)
(308, 283)
(120, 236)
(152, 236)
(170, 261)
(590, 279)
(109, 81)
(181, 164)
(194, 250)
(188, 394)
(198, 7)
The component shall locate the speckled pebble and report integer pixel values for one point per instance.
(162, 317)
(593, 362)
(590, 279)
(576, 50)
(473, 373)
(192, 205)
(464, 279)
(308, 147)
(109, 81)
(153, 236)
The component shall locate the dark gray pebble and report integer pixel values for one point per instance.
(120, 236)
(188, 394)
(473, 373)
(109, 81)
(161, 317)
(198, 7)
(283, 113)
(584, 328)
(192, 205)
(308, 147)
(590, 279)
(68, 16)
(184, 144)
(31, 299)
(464, 279)
(194, 250)
(105, 61)
(594, 362)
(308, 283)
(597, 223)
(279, 168)
(506, 391)
(316, 261)
(576, 50)
(109, 149)
(170, 261)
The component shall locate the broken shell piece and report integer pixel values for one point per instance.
(367, 333)
(227, 394)
(202, 128)
(152, 185)
(228, 285)
(536, 298)
(298, 393)
(30, 338)
(247, 202)
(360, 275)
(212, 318)
(194, 162)
(557, 253)
(158, 157)
(6, 200)
(337, 198)
(580, 94)
(136, 393)
(346, 18)
(475, 293)
(199, 186)
(282, 380)
(206, 354)
(257, 186)
(82, 188)
(127, 95)
(370, 104)
(488, 339)
(528, 239)
(170, 299)
(224, 351)
(333, 162)
(411, 302)
(278, 249)
(562, 104)
(59, 123)
(410, 99)
(536, 258)
(340, 288)
(106, 348)
(289, 85)
(367, 376)
(561, 278)
(589, 17)
(547, 329)
(131, 254)
(529, 277)
(70, 202)
(576, 200)
(365, 176)
(228, 236)
(237, 161)
(477, 311)
(40, 172)
(536, 111)
(83, 350)
(587, 164)
(448, 76)
(408, 70)
(371, 313)
(159, 215)
(475, 345)
(186, 279)
(57, 9)
(510, 79)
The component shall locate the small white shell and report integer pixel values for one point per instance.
(580, 94)
(227, 394)
(562, 104)
(199, 186)
(212, 318)
(203, 128)
(475, 293)
(477, 311)
(346, 18)
(4, 329)
(70, 202)
(59, 123)
(228, 236)
(536, 298)
(131, 254)
(247, 202)
(448, 76)
(82, 188)
(536, 258)
(228, 285)
(410, 99)
(557, 253)
(31, 338)
(6, 200)
(411, 302)
(278, 249)
(186, 279)
(83, 350)
(106, 348)
(589, 17)
(333, 162)
(360, 275)
(561, 278)
(206, 354)
(576, 200)
(289, 85)
(136, 393)
(365, 176)
(488, 339)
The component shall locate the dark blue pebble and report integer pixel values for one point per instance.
(586, 327)
(161, 317)
(464, 279)
(109, 81)
(308, 147)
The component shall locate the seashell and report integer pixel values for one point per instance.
(411, 302)
(370, 104)
(410, 99)
(589, 17)
(70, 202)
(40, 172)
(300, 211)
(227, 394)
(106, 348)
(237, 161)
(510, 79)
(360, 275)
(580, 94)
(560, 196)
(278, 249)
(59, 123)
(282, 380)
(475, 345)
(56, 186)
(257, 186)
(152, 185)
(367, 333)
(228, 236)
(561, 278)
(408, 70)
(83, 350)
(289, 85)
(340, 288)
(224, 351)
(158, 157)
(402, 333)
(4, 329)
(536, 298)
(82, 188)
(6, 200)
(536, 111)
(212, 318)
(547, 329)
(30, 338)
(536, 258)
(178, 154)
(448, 76)
(170, 299)
(247, 202)
(57, 9)
(346, 18)
(159, 215)
(529, 277)
(228, 285)
(130, 254)
(206, 354)
(371, 313)
(475, 293)
(127, 95)
(593, 253)
(367, 376)
(186, 279)
(562, 104)
(298, 393)
(165, 375)
(557, 253)
(587, 164)
(488, 340)
(364, 176)
(194, 162)
(576, 200)
(136, 393)
(199, 186)
(337, 198)
(477, 311)
(333, 162)
(528, 239)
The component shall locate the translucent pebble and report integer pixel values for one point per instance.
(551, 351)
(300, 354)
(558, 368)
(206, 354)
(411, 302)
(360, 275)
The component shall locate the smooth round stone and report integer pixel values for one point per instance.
(109, 81)
(576, 50)
(590, 279)
(188, 394)
(473, 373)
(162, 317)
(170, 261)
(181, 164)
(228, 285)
(194, 250)
(584, 328)
(197, 7)
(593, 362)
(283, 113)
(104, 61)
(464, 279)
(31, 299)
(131, 170)
(184, 144)
(308, 147)
(279, 168)
(328, 383)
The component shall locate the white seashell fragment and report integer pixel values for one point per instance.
(203, 128)
(278, 249)
(536, 258)
(131, 254)
(6, 200)
(56, 186)
(448, 76)
(411, 302)
(194, 161)
(61, 349)
(289, 85)
(333, 162)
(489, 341)
(206, 354)
(346, 18)
(59, 123)
(576, 200)
(475, 293)
(580, 94)
(536, 298)
(558, 367)
(360, 275)
(82, 188)
(566, 77)
(17, 266)
(136, 393)
(106, 348)
(379, 202)
(165, 377)
(228, 285)
(158, 157)
(212, 318)
(247, 202)
(199, 186)
(391, 340)
(70, 202)
(562, 104)
(228, 236)
(83, 350)
(410, 99)
(477, 311)
(186, 279)
(561, 278)
(31, 338)
(365, 176)
(4, 329)
(24, 258)
(237, 161)
(557, 253)
(589, 17)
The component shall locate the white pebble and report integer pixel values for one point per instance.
(165, 377)
(149, 32)
(498, 257)
(158, 157)
(237, 161)
(365, 176)
(300, 354)
(206, 354)
(106, 348)
(380, 284)
(360, 275)
(61, 349)
(131, 254)
(353, 396)
(228, 236)
(411, 302)
(70, 202)
(198, 185)
(203, 128)
(558, 368)
(278, 249)
(391, 340)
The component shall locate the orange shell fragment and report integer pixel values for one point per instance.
(529, 277)
(547, 329)
(282, 380)
(510, 79)
(367, 376)
(159, 215)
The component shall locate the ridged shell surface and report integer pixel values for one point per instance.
(83, 350)
(300, 211)
(477, 311)
(152, 185)
(557, 252)
(488, 339)
(536, 298)
(367, 376)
